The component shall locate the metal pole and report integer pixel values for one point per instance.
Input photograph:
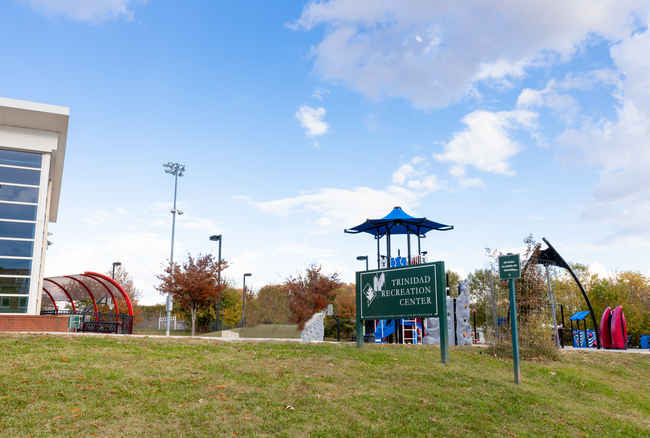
(494, 305)
(563, 326)
(475, 332)
(219, 277)
(171, 257)
(378, 254)
(550, 294)
(513, 325)
(408, 244)
(243, 313)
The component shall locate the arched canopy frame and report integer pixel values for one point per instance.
(87, 286)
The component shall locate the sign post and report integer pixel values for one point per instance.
(509, 269)
(416, 291)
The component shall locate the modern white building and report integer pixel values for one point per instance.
(32, 149)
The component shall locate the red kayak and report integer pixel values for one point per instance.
(605, 335)
(618, 329)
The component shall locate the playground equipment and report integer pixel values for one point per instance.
(551, 257)
(410, 330)
(613, 330)
(459, 329)
(582, 338)
(397, 222)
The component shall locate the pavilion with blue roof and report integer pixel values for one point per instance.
(398, 222)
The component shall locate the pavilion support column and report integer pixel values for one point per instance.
(388, 247)
(408, 243)
(378, 253)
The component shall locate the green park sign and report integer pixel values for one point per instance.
(406, 292)
(416, 291)
(509, 267)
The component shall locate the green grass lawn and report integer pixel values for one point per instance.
(124, 386)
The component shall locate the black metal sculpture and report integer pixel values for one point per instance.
(550, 255)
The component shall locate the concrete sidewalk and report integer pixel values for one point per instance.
(602, 350)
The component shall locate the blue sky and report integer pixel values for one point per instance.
(296, 120)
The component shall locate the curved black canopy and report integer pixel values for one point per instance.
(398, 222)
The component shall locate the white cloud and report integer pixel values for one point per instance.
(619, 148)
(301, 249)
(563, 104)
(94, 11)
(429, 52)
(598, 268)
(141, 255)
(320, 92)
(343, 208)
(372, 122)
(97, 217)
(400, 175)
(312, 120)
(191, 223)
(485, 144)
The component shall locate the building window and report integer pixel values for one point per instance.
(22, 159)
(18, 194)
(17, 230)
(16, 248)
(14, 175)
(14, 286)
(13, 304)
(15, 267)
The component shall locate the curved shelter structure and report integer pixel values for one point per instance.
(102, 302)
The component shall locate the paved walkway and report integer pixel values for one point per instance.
(602, 350)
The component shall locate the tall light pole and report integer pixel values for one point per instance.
(114, 265)
(176, 170)
(218, 238)
(361, 258)
(243, 313)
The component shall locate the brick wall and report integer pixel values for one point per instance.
(33, 323)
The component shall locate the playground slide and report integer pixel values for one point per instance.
(605, 335)
(618, 329)
(384, 329)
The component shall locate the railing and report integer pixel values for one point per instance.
(402, 261)
(99, 322)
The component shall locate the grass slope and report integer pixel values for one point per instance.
(124, 386)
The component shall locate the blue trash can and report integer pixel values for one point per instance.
(645, 341)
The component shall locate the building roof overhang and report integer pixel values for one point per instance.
(41, 117)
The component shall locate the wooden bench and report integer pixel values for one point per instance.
(100, 327)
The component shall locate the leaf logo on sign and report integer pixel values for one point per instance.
(371, 292)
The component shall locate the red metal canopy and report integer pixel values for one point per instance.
(89, 286)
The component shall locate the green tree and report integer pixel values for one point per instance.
(194, 284)
(310, 292)
(454, 281)
(479, 294)
(269, 306)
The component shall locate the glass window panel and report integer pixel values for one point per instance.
(18, 194)
(16, 248)
(13, 304)
(14, 286)
(20, 176)
(17, 212)
(17, 230)
(18, 158)
(15, 267)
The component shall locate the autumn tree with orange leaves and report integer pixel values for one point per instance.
(195, 284)
(310, 292)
